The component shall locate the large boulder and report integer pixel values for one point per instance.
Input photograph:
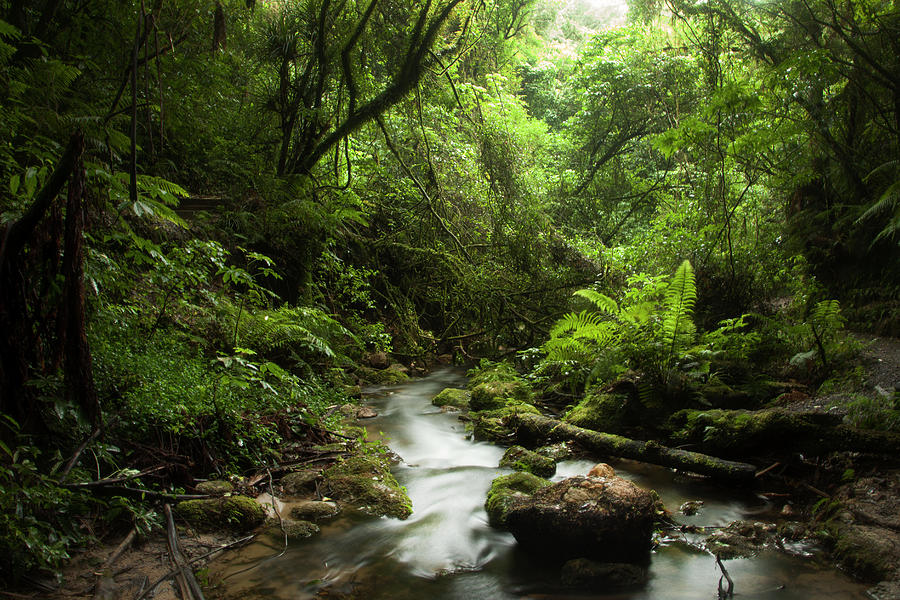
(601, 518)
(366, 482)
(239, 513)
(452, 397)
(492, 395)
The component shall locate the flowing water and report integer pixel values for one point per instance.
(446, 550)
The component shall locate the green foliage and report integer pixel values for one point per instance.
(37, 525)
(654, 334)
(875, 412)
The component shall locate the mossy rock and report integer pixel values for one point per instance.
(721, 395)
(521, 459)
(235, 512)
(392, 375)
(502, 371)
(313, 510)
(491, 395)
(452, 397)
(214, 487)
(366, 482)
(506, 490)
(297, 529)
(600, 412)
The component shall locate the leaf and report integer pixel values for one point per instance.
(14, 184)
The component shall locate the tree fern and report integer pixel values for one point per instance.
(677, 326)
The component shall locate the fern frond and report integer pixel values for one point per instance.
(601, 301)
(566, 349)
(574, 322)
(678, 304)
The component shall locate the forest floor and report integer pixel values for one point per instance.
(865, 516)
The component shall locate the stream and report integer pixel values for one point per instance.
(446, 550)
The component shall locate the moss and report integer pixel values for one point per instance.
(735, 432)
(600, 412)
(495, 394)
(313, 510)
(506, 490)
(393, 375)
(215, 487)
(491, 425)
(236, 512)
(520, 459)
(366, 481)
(452, 397)
(299, 482)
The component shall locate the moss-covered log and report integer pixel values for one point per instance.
(534, 428)
(775, 431)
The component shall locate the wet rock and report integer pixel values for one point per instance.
(599, 518)
(214, 487)
(366, 481)
(886, 590)
(299, 482)
(298, 529)
(741, 539)
(313, 510)
(601, 470)
(366, 412)
(452, 397)
(521, 459)
(588, 574)
(691, 507)
(235, 512)
(506, 490)
(377, 360)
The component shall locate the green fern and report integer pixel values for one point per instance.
(677, 326)
(304, 329)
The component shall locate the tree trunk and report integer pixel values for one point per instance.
(79, 374)
(536, 427)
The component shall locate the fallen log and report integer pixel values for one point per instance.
(530, 427)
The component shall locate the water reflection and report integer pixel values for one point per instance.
(447, 551)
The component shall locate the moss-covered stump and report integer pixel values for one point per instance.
(774, 431)
(521, 459)
(214, 487)
(600, 412)
(366, 482)
(452, 397)
(506, 490)
(313, 510)
(236, 512)
(298, 483)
